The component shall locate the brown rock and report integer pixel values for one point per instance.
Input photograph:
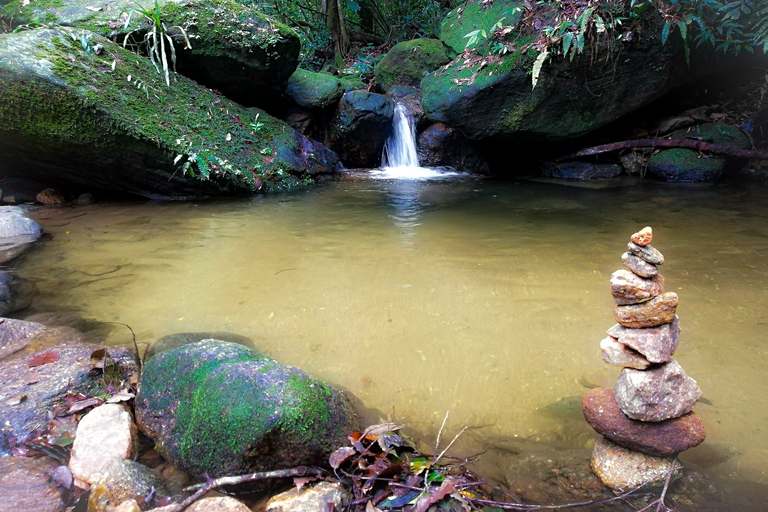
(629, 288)
(656, 394)
(638, 265)
(317, 497)
(618, 354)
(622, 469)
(656, 344)
(643, 237)
(647, 253)
(660, 439)
(50, 197)
(659, 310)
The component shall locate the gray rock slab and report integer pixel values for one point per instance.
(629, 288)
(657, 344)
(638, 265)
(656, 394)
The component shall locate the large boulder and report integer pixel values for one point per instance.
(17, 232)
(223, 45)
(407, 62)
(313, 90)
(440, 145)
(216, 408)
(492, 97)
(89, 111)
(360, 128)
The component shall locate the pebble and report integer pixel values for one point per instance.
(656, 344)
(656, 394)
(659, 439)
(313, 499)
(629, 288)
(618, 354)
(638, 265)
(659, 310)
(647, 253)
(623, 470)
(643, 237)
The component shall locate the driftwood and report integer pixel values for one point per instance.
(698, 145)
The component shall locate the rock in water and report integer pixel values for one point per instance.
(656, 394)
(657, 344)
(618, 354)
(216, 408)
(643, 237)
(649, 253)
(659, 310)
(629, 288)
(659, 439)
(638, 265)
(622, 469)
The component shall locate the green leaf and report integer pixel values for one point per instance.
(567, 40)
(665, 32)
(537, 64)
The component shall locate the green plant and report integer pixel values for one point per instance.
(157, 41)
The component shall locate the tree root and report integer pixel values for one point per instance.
(698, 145)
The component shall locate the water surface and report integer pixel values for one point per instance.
(486, 299)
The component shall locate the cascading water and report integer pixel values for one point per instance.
(399, 159)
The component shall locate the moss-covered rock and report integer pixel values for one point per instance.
(96, 114)
(717, 133)
(407, 62)
(216, 408)
(685, 166)
(477, 16)
(222, 44)
(313, 90)
(360, 127)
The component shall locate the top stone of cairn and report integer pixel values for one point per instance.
(643, 237)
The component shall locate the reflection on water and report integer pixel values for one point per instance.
(485, 299)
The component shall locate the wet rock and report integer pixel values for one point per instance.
(360, 127)
(680, 165)
(313, 90)
(618, 354)
(629, 288)
(50, 197)
(85, 198)
(659, 439)
(657, 311)
(312, 499)
(633, 163)
(16, 334)
(638, 265)
(408, 61)
(659, 393)
(647, 253)
(106, 432)
(582, 171)
(16, 293)
(622, 469)
(42, 387)
(642, 237)
(128, 506)
(25, 485)
(657, 344)
(17, 232)
(439, 145)
(216, 408)
(179, 339)
(218, 504)
(120, 480)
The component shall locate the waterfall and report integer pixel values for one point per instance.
(400, 149)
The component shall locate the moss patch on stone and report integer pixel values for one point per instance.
(685, 166)
(480, 17)
(313, 90)
(407, 62)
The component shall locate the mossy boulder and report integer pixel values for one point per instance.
(407, 62)
(103, 117)
(717, 133)
(313, 90)
(215, 408)
(360, 127)
(685, 166)
(477, 18)
(221, 44)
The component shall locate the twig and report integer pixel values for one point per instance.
(135, 345)
(698, 145)
(440, 432)
(449, 446)
(660, 505)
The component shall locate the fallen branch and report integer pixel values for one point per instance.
(698, 145)
(202, 489)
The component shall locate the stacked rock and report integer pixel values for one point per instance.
(647, 419)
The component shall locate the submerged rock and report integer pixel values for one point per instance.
(120, 480)
(623, 469)
(71, 116)
(216, 408)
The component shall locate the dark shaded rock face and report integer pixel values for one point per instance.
(582, 171)
(360, 128)
(70, 117)
(216, 408)
(439, 145)
(407, 62)
(659, 439)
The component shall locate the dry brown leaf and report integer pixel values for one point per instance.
(42, 358)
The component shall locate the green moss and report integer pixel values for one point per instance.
(407, 62)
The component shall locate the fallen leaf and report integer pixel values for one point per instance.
(381, 428)
(42, 358)
(300, 482)
(82, 404)
(122, 396)
(16, 399)
(445, 489)
(340, 456)
(99, 357)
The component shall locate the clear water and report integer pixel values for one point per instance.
(486, 299)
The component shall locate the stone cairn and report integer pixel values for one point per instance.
(647, 418)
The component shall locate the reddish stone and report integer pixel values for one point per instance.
(659, 439)
(643, 237)
(659, 310)
(629, 288)
(638, 265)
(661, 392)
(657, 344)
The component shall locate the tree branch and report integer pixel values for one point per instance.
(698, 145)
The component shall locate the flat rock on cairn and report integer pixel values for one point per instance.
(647, 419)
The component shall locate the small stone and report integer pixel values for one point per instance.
(659, 439)
(629, 288)
(622, 469)
(649, 253)
(657, 311)
(218, 504)
(313, 499)
(656, 394)
(638, 265)
(50, 197)
(643, 237)
(105, 433)
(657, 344)
(121, 480)
(618, 354)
